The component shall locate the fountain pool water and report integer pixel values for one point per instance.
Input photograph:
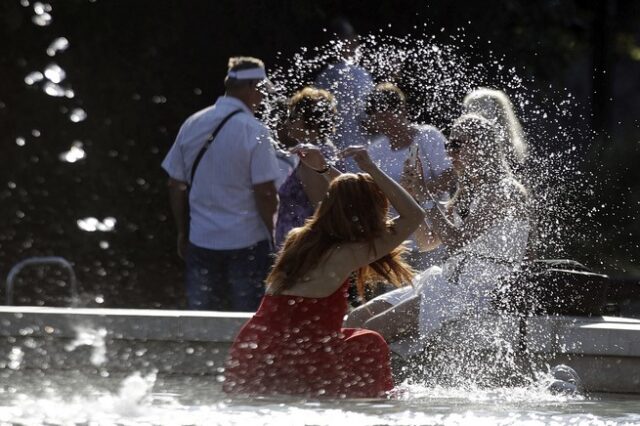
(66, 366)
(100, 366)
(75, 399)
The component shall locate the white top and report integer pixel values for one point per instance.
(431, 150)
(464, 283)
(351, 85)
(430, 142)
(223, 210)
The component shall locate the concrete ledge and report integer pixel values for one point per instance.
(127, 324)
(607, 336)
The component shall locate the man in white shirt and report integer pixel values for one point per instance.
(222, 168)
(400, 146)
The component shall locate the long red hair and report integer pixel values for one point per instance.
(354, 210)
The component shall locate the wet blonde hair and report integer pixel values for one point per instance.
(495, 105)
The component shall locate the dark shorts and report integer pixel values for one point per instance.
(226, 280)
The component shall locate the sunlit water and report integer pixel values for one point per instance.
(437, 76)
(71, 398)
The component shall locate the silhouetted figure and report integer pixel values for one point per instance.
(223, 196)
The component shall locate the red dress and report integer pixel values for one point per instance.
(295, 345)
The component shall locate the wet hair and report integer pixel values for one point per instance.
(386, 97)
(316, 108)
(495, 105)
(484, 135)
(354, 210)
(238, 63)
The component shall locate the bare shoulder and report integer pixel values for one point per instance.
(350, 256)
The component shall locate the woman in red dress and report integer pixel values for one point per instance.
(295, 343)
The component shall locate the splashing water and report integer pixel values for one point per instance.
(60, 44)
(86, 336)
(54, 73)
(436, 77)
(77, 115)
(42, 17)
(151, 399)
(74, 154)
(33, 77)
(15, 358)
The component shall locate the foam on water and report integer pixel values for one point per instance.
(86, 336)
(143, 400)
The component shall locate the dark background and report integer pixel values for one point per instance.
(140, 67)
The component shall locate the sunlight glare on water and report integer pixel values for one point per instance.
(92, 224)
(55, 73)
(140, 399)
(75, 153)
(33, 77)
(42, 17)
(77, 115)
(60, 44)
(437, 76)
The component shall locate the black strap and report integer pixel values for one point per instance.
(210, 139)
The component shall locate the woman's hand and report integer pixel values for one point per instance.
(361, 156)
(310, 156)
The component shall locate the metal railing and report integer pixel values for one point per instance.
(43, 260)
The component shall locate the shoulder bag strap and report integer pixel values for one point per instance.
(210, 139)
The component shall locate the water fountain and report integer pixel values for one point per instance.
(124, 366)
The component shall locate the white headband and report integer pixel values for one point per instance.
(248, 74)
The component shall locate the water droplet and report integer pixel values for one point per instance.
(33, 77)
(75, 153)
(42, 20)
(53, 89)
(77, 115)
(58, 45)
(54, 73)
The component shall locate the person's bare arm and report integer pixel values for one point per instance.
(179, 201)
(266, 197)
(426, 239)
(410, 213)
(314, 184)
(399, 320)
